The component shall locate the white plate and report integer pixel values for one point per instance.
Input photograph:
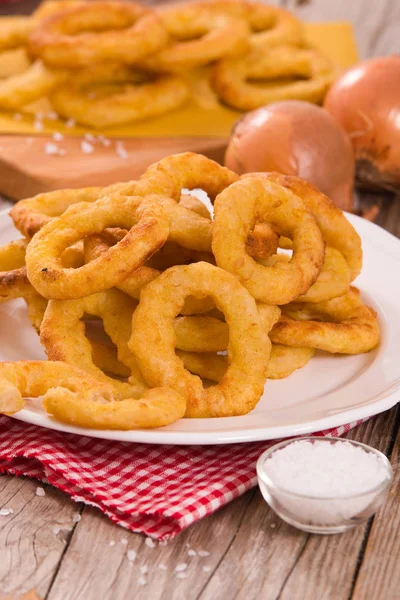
(330, 391)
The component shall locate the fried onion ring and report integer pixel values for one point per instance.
(194, 204)
(247, 202)
(111, 105)
(97, 32)
(270, 25)
(34, 83)
(13, 279)
(74, 397)
(258, 78)
(333, 280)
(284, 360)
(63, 336)
(200, 33)
(153, 340)
(149, 228)
(14, 31)
(336, 230)
(31, 214)
(343, 325)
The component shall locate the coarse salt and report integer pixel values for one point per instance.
(86, 147)
(150, 543)
(204, 553)
(162, 567)
(206, 569)
(343, 474)
(4, 512)
(142, 581)
(181, 567)
(181, 575)
(124, 541)
(192, 552)
(76, 518)
(57, 136)
(53, 150)
(131, 555)
(144, 569)
(121, 150)
(111, 543)
(70, 123)
(40, 492)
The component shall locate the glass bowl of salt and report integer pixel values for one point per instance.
(324, 484)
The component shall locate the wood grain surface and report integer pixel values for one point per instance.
(45, 553)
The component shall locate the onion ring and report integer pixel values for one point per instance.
(13, 279)
(109, 106)
(251, 200)
(343, 325)
(270, 25)
(153, 340)
(200, 33)
(284, 360)
(63, 336)
(14, 31)
(73, 396)
(77, 36)
(34, 83)
(149, 230)
(237, 80)
(333, 280)
(336, 230)
(32, 214)
(194, 204)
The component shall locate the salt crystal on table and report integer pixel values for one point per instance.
(192, 552)
(76, 518)
(206, 569)
(70, 123)
(162, 567)
(38, 125)
(150, 543)
(57, 136)
(203, 553)
(40, 491)
(181, 575)
(181, 567)
(56, 530)
(103, 140)
(144, 569)
(131, 555)
(86, 147)
(111, 543)
(124, 541)
(89, 137)
(142, 581)
(121, 150)
(4, 512)
(163, 542)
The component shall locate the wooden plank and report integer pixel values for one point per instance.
(34, 536)
(376, 24)
(379, 574)
(97, 563)
(268, 559)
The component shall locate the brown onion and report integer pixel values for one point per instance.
(295, 138)
(366, 101)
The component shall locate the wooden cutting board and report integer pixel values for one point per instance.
(27, 166)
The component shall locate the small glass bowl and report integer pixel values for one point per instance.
(324, 515)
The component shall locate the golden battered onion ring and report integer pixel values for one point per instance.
(284, 360)
(14, 31)
(255, 79)
(149, 228)
(186, 170)
(153, 340)
(194, 204)
(13, 279)
(332, 282)
(252, 200)
(109, 106)
(73, 396)
(31, 214)
(97, 32)
(270, 25)
(336, 230)
(344, 325)
(200, 33)
(34, 83)
(63, 336)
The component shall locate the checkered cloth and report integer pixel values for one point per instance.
(155, 490)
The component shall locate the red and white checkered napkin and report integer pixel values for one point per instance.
(156, 490)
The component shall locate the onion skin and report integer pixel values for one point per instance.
(295, 138)
(365, 100)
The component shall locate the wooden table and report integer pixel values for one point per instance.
(253, 554)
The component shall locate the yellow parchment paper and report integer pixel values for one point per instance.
(201, 117)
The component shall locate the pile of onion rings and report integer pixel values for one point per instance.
(141, 297)
(103, 63)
